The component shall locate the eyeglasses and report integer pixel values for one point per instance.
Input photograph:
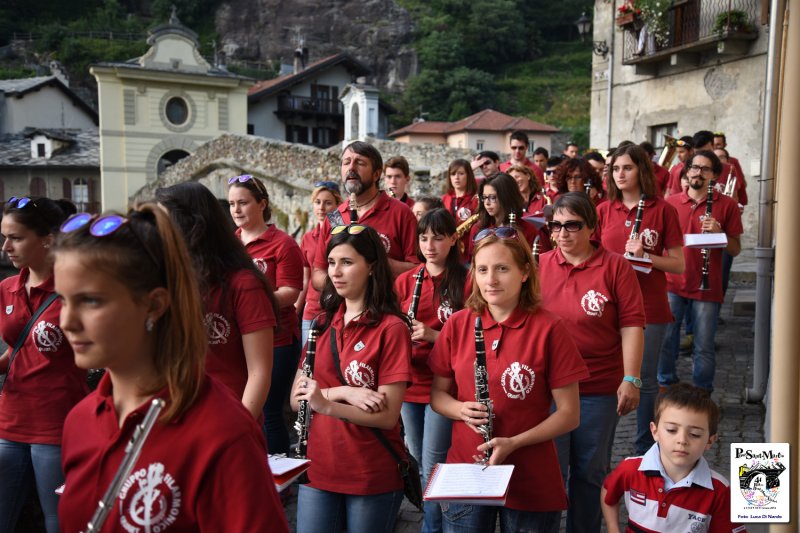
(491, 198)
(704, 170)
(244, 178)
(328, 185)
(103, 227)
(503, 232)
(352, 229)
(575, 178)
(571, 226)
(20, 202)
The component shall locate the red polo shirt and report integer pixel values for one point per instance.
(536, 203)
(406, 199)
(204, 471)
(431, 312)
(740, 186)
(675, 178)
(308, 246)
(726, 212)
(662, 178)
(537, 171)
(43, 383)
(241, 306)
(740, 173)
(462, 207)
(345, 457)
(395, 223)
(596, 299)
(279, 258)
(527, 356)
(659, 231)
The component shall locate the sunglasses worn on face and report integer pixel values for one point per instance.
(352, 229)
(503, 232)
(103, 227)
(571, 226)
(328, 185)
(20, 202)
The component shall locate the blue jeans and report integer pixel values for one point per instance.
(704, 317)
(284, 367)
(320, 511)
(653, 339)
(428, 439)
(467, 518)
(20, 464)
(584, 455)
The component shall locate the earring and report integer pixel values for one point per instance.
(149, 324)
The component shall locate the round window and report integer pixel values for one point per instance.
(177, 111)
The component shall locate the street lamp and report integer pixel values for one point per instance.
(584, 25)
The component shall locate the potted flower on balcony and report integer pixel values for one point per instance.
(655, 15)
(732, 21)
(628, 16)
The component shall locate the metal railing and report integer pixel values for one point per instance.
(305, 104)
(691, 21)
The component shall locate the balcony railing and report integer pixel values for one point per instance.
(693, 23)
(304, 104)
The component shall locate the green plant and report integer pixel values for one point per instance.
(739, 21)
(655, 16)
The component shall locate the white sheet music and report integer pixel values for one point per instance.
(460, 480)
(279, 465)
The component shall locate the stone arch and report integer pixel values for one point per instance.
(176, 142)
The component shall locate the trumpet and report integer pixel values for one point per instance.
(730, 184)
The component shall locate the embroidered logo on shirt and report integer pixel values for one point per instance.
(387, 244)
(517, 381)
(359, 375)
(217, 328)
(9, 309)
(261, 264)
(444, 312)
(150, 500)
(464, 213)
(593, 303)
(495, 344)
(649, 238)
(47, 337)
(638, 497)
(359, 346)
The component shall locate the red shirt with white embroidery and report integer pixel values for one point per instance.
(537, 170)
(527, 356)
(395, 223)
(279, 258)
(462, 207)
(690, 215)
(347, 458)
(239, 307)
(204, 471)
(43, 383)
(595, 299)
(658, 232)
(308, 246)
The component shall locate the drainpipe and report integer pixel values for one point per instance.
(765, 252)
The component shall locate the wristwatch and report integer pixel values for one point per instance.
(636, 381)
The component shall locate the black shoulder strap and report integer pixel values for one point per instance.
(26, 330)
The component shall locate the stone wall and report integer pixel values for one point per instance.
(290, 170)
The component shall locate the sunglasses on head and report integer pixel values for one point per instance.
(20, 202)
(571, 226)
(328, 185)
(244, 178)
(102, 227)
(503, 232)
(352, 229)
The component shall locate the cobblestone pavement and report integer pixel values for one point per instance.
(741, 422)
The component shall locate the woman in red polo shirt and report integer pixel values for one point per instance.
(362, 368)
(460, 199)
(42, 384)
(596, 294)
(442, 292)
(660, 238)
(533, 200)
(531, 361)
(324, 198)
(239, 305)
(131, 305)
(573, 175)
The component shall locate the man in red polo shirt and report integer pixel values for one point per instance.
(684, 151)
(685, 289)
(396, 177)
(395, 223)
(721, 142)
(519, 152)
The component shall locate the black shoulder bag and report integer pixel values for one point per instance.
(25, 331)
(408, 467)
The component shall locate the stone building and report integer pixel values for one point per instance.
(159, 108)
(709, 74)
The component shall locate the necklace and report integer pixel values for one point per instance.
(368, 201)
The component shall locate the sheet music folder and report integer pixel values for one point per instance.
(469, 483)
(286, 469)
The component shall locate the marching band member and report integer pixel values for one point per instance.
(533, 200)
(460, 198)
(659, 232)
(431, 294)
(596, 294)
(552, 178)
(42, 382)
(573, 175)
(239, 308)
(131, 305)
(361, 371)
(396, 177)
(423, 204)
(531, 361)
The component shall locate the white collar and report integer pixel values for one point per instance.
(700, 474)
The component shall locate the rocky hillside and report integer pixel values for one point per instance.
(377, 32)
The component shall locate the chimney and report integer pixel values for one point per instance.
(58, 71)
(298, 60)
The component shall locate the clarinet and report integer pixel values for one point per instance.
(536, 249)
(303, 422)
(512, 220)
(391, 192)
(587, 187)
(704, 284)
(412, 310)
(353, 209)
(638, 223)
(132, 452)
(482, 387)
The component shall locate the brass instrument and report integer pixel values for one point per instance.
(464, 228)
(730, 184)
(669, 152)
(547, 199)
(303, 423)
